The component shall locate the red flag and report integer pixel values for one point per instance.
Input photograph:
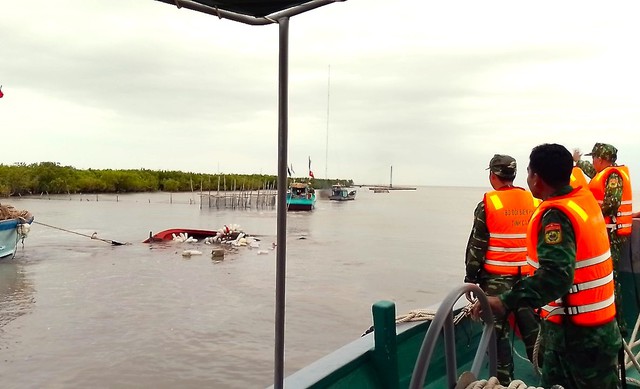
(1, 94)
(311, 174)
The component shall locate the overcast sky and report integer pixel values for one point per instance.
(432, 88)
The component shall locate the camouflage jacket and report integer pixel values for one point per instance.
(551, 281)
(477, 245)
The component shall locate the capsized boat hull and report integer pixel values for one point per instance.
(168, 235)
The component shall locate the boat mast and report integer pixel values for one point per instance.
(326, 153)
(391, 178)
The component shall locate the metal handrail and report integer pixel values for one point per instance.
(443, 320)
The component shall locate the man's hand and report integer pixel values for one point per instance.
(496, 307)
(471, 297)
(576, 155)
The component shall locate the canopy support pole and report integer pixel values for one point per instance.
(281, 248)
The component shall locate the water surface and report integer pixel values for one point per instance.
(77, 313)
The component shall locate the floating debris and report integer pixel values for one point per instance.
(217, 254)
(189, 253)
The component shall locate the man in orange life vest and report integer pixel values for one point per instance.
(611, 186)
(496, 253)
(568, 246)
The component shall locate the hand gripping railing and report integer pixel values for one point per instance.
(444, 319)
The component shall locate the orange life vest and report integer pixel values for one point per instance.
(622, 222)
(578, 178)
(590, 301)
(508, 212)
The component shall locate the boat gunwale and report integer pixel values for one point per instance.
(352, 355)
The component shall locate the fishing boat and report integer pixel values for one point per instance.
(341, 193)
(12, 232)
(444, 347)
(301, 197)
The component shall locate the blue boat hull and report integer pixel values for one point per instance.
(301, 204)
(8, 237)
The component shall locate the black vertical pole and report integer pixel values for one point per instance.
(281, 253)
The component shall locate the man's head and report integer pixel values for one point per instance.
(604, 151)
(503, 166)
(549, 169)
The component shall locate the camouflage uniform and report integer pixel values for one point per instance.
(494, 285)
(575, 357)
(610, 204)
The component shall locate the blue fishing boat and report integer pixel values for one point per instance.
(301, 197)
(341, 193)
(12, 232)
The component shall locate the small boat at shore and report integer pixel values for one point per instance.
(14, 227)
(301, 197)
(341, 193)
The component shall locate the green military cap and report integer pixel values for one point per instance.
(604, 151)
(503, 166)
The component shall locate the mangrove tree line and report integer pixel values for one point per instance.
(52, 178)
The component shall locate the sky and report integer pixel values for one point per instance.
(433, 89)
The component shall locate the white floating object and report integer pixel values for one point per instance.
(262, 252)
(188, 253)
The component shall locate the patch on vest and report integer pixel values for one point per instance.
(552, 233)
(613, 183)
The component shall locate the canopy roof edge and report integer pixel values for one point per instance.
(257, 13)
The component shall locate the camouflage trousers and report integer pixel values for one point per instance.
(527, 321)
(617, 246)
(567, 368)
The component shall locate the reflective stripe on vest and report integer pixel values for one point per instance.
(581, 264)
(575, 310)
(590, 299)
(501, 263)
(507, 215)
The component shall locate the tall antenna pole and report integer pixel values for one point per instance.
(326, 152)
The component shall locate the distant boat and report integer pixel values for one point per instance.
(380, 190)
(12, 231)
(301, 197)
(341, 193)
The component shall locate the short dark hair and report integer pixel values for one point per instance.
(553, 163)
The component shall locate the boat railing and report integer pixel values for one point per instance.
(444, 321)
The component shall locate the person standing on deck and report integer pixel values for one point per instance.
(496, 253)
(611, 186)
(568, 246)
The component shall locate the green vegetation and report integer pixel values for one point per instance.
(50, 177)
